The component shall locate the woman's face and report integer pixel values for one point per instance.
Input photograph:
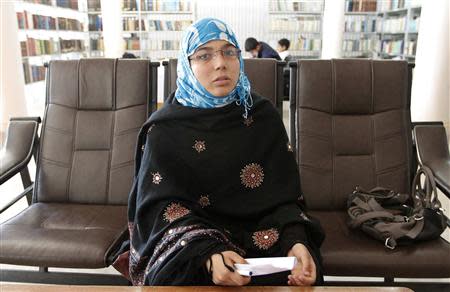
(216, 67)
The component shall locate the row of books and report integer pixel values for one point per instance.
(414, 24)
(160, 45)
(132, 44)
(72, 4)
(361, 45)
(157, 5)
(360, 23)
(95, 22)
(360, 5)
(296, 24)
(392, 47)
(357, 54)
(97, 44)
(315, 6)
(410, 48)
(38, 47)
(394, 25)
(69, 24)
(27, 20)
(301, 44)
(386, 5)
(33, 73)
(94, 5)
(70, 46)
(132, 24)
(45, 2)
(391, 4)
(129, 5)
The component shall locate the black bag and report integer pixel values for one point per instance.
(397, 219)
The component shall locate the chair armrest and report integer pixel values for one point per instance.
(432, 151)
(21, 140)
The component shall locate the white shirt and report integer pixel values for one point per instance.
(284, 54)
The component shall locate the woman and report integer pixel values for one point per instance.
(216, 179)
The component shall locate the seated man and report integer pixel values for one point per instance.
(283, 50)
(260, 49)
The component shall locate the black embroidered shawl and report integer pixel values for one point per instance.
(208, 180)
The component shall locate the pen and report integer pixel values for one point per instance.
(225, 264)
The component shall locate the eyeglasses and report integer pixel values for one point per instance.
(205, 57)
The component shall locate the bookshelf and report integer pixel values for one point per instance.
(48, 30)
(95, 28)
(383, 29)
(360, 36)
(300, 21)
(399, 31)
(153, 28)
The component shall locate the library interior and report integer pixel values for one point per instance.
(362, 92)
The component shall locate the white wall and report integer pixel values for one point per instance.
(112, 28)
(430, 88)
(12, 92)
(333, 28)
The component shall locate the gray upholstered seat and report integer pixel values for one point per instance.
(432, 151)
(78, 219)
(352, 126)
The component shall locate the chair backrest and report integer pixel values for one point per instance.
(431, 142)
(170, 76)
(352, 127)
(94, 110)
(265, 76)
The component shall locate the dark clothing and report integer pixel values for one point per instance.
(208, 181)
(267, 51)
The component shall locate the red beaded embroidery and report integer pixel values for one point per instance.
(199, 146)
(289, 147)
(157, 178)
(252, 175)
(266, 238)
(204, 201)
(248, 121)
(175, 211)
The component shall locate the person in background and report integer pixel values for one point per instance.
(260, 49)
(127, 55)
(283, 49)
(216, 180)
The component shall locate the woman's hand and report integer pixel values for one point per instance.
(221, 275)
(304, 273)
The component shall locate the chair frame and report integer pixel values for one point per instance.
(43, 275)
(430, 284)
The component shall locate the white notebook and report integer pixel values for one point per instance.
(264, 266)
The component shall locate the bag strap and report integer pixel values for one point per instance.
(424, 196)
(377, 192)
(358, 220)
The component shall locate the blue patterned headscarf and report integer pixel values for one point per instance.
(190, 92)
